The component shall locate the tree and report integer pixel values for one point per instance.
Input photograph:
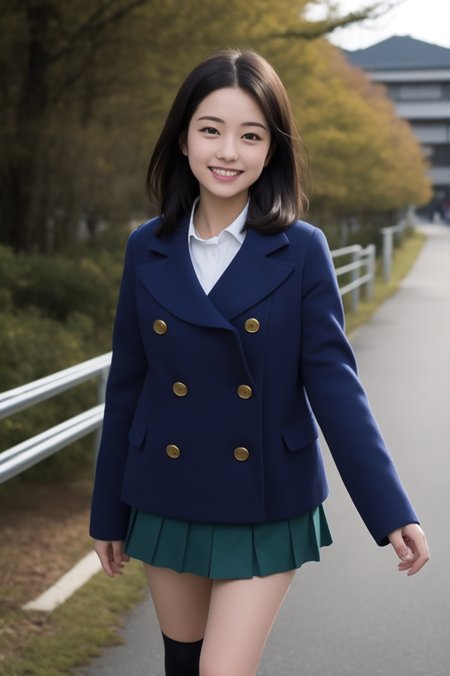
(87, 87)
(363, 156)
(49, 58)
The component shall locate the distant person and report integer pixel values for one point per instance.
(447, 211)
(229, 326)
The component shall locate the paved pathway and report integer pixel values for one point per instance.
(354, 614)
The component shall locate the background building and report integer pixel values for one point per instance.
(417, 77)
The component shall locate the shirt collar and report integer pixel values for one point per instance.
(234, 228)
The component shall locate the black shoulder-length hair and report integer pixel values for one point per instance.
(277, 197)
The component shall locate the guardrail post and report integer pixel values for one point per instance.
(101, 391)
(371, 253)
(387, 254)
(355, 275)
(399, 231)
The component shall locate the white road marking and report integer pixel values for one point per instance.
(67, 584)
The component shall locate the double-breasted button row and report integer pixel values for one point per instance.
(181, 390)
(240, 453)
(252, 325)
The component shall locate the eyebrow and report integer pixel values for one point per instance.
(244, 124)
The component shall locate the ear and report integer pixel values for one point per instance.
(182, 141)
(269, 155)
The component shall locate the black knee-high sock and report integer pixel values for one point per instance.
(181, 659)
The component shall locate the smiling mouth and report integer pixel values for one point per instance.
(224, 172)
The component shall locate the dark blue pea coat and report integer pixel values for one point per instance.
(298, 359)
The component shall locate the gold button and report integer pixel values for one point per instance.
(241, 454)
(244, 391)
(159, 327)
(180, 389)
(252, 325)
(173, 451)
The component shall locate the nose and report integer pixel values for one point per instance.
(227, 150)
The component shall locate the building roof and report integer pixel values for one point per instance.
(400, 52)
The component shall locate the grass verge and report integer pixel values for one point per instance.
(403, 260)
(76, 631)
(34, 524)
(44, 532)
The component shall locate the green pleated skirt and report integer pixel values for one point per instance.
(227, 551)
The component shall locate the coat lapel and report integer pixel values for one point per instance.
(173, 283)
(249, 278)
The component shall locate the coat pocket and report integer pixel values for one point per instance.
(300, 433)
(137, 433)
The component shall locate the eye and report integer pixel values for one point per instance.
(251, 136)
(209, 130)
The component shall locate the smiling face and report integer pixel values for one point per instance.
(227, 143)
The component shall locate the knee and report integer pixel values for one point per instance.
(181, 659)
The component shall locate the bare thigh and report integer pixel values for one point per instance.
(181, 602)
(241, 615)
(234, 616)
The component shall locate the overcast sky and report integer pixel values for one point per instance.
(427, 20)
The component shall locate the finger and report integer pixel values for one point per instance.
(417, 566)
(421, 560)
(404, 566)
(401, 549)
(116, 569)
(117, 547)
(104, 560)
(421, 557)
(407, 563)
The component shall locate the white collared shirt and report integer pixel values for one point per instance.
(211, 257)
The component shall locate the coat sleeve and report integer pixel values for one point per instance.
(340, 404)
(109, 515)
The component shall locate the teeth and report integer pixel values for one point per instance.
(222, 172)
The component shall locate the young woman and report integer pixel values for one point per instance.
(229, 330)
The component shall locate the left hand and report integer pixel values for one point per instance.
(411, 547)
(111, 555)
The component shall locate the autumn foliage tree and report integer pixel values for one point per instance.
(363, 157)
(86, 85)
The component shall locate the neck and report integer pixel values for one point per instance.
(214, 214)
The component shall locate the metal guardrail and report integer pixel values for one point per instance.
(388, 247)
(25, 396)
(28, 453)
(361, 258)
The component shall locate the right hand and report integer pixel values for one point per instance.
(111, 555)
(411, 547)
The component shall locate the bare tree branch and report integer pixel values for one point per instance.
(95, 24)
(316, 29)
